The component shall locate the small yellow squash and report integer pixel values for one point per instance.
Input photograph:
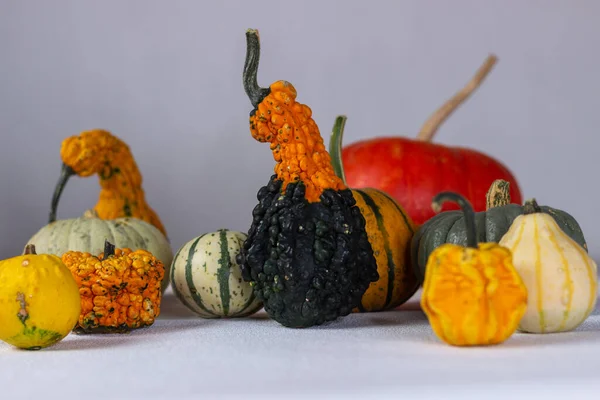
(39, 300)
(560, 276)
(472, 295)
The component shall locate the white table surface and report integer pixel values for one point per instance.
(378, 355)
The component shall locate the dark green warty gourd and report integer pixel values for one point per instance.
(307, 252)
(492, 224)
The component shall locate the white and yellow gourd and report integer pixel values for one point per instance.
(561, 278)
(206, 277)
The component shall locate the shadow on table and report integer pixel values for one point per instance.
(172, 308)
(179, 317)
(376, 320)
(174, 326)
(88, 342)
(533, 341)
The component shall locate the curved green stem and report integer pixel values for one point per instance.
(255, 93)
(467, 209)
(65, 173)
(335, 147)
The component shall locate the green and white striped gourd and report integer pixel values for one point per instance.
(207, 279)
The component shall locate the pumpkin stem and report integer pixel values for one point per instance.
(91, 213)
(429, 129)
(65, 173)
(467, 209)
(531, 207)
(30, 249)
(498, 194)
(335, 147)
(109, 249)
(249, 77)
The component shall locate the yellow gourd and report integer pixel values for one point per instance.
(39, 300)
(560, 276)
(472, 295)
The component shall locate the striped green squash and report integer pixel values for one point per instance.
(207, 279)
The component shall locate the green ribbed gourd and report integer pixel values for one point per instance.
(492, 224)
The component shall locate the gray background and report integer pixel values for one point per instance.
(165, 76)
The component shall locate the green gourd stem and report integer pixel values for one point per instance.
(109, 249)
(467, 209)
(30, 249)
(531, 207)
(498, 194)
(65, 174)
(255, 93)
(335, 147)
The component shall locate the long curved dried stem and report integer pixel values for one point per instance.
(429, 129)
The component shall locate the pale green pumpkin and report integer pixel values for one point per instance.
(88, 234)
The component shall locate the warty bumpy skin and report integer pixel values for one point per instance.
(307, 253)
(310, 263)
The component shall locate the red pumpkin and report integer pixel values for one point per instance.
(413, 171)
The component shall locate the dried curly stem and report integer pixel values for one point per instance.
(429, 129)
(498, 194)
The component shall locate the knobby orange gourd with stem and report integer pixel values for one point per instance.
(307, 253)
(121, 195)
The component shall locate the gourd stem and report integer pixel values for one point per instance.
(498, 194)
(90, 213)
(335, 147)
(429, 129)
(109, 249)
(467, 209)
(254, 92)
(30, 249)
(531, 207)
(65, 173)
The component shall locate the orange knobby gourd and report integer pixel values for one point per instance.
(121, 195)
(297, 145)
(472, 295)
(120, 289)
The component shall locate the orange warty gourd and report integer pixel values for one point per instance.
(307, 253)
(472, 295)
(121, 195)
(120, 289)
(298, 147)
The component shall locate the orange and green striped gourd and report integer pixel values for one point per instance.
(100, 152)
(389, 229)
